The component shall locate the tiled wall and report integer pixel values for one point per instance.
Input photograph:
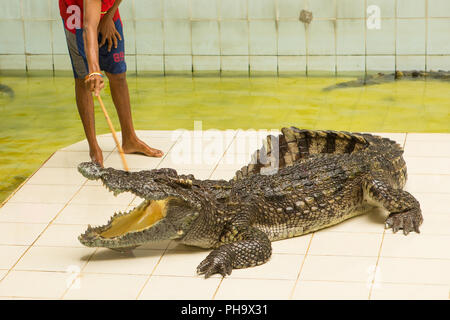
(166, 36)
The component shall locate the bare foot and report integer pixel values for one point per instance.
(140, 147)
(96, 155)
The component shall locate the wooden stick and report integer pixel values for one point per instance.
(119, 147)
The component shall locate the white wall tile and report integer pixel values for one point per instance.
(233, 9)
(148, 9)
(261, 9)
(126, 10)
(38, 37)
(130, 60)
(321, 37)
(410, 62)
(411, 8)
(323, 8)
(321, 63)
(350, 63)
(40, 62)
(235, 63)
(291, 38)
(382, 41)
(411, 36)
(11, 9)
(33, 9)
(177, 36)
(149, 37)
(350, 9)
(62, 62)
(176, 9)
(438, 63)
(150, 63)
(12, 62)
(11, 33)
(263, 38)
(204, 9)
(130, 37)
(177, 63)
(291, 64)
(438, 36)
(380, 63)
(205, 38)
(206, 63)
(438, 8)
(387, 7)
(263, 63)
(350, 37)
(290, 8)
(234, 37)
(59, 41)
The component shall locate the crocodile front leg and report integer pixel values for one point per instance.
(251, 247)
(404, 209)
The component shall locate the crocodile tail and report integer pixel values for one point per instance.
(294, 144)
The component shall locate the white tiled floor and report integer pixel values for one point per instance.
(357, 259)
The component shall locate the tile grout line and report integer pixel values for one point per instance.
(301, 268)
(372, 284)
(46, 228)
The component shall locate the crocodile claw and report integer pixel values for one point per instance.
(217, 261)
(408, 221)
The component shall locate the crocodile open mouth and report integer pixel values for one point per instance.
(140, 218)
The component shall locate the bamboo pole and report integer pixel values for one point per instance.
(119, 147)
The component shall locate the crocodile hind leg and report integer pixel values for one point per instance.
(251, 247)
(404, 209)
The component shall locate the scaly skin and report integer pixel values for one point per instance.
(381, 78)
(315, 179)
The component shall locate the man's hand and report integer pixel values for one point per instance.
(95, 83)
(108, 30)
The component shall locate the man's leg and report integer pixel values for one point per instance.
(121, 97)
(85, 106)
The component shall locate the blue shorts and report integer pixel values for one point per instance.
(111, 62)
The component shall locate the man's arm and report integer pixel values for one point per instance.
(92, 11)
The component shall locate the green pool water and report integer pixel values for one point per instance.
(42, 117)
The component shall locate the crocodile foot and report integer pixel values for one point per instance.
(217, 261)
(408, 221)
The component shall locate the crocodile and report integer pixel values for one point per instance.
(298, 182)
(381, 78)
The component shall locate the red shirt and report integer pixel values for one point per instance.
(72, 13)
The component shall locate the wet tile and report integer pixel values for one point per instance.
(416, 246)
(176, 288)
(428, 165)
(414, 271)
(57, 176)
(54, 259)
(34, 284)
(106, 286)
(20, 233)
(29, 212)
(188, 260)
(60, 235)
(280, 266)
(136, 262)
(428, 183)
(98, 195)
(328, 290)
(393, 291)
(297, 245)
(88, 214)
(10, 255)
(254, 289)
(426, 148)
(45, 194)
(345, 244)
(338, 268)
